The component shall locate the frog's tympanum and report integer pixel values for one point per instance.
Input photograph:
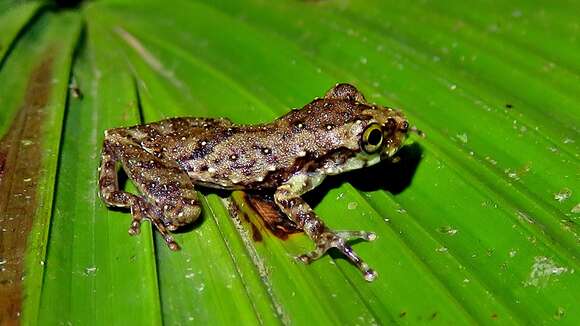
(287, 157)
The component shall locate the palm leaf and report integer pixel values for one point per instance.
(477, 223)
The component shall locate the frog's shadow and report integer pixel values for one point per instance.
(386, 175)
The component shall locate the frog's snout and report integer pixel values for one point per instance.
(395, 130)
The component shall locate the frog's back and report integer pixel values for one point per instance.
(174, 129)
(172, 134)
(266, 155)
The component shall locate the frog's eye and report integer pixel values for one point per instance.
(372, 138)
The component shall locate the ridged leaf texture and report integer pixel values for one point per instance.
(477, 223)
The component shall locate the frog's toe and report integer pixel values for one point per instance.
(135, 227)
(172, 244)
(351, 235)
(142, 210)
(330, 239)
(138, 215)
(164, 231)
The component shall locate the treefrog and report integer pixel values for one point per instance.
(287, 157)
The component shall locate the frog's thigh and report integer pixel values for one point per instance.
(163, 184)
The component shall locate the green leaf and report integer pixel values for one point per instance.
(12, 21)
(34, 81)
(91, 260)
(477, 222)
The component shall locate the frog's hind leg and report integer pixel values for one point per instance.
(168, 199)
(113, 196)
(288, 198)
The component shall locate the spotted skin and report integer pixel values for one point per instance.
(287, 157)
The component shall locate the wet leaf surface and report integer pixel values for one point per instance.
(476, 223)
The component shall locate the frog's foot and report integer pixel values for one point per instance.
(165, 234)
(139, 212)
(338, 239)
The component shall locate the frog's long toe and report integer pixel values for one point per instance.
(152, 213)
(171, 243)
(351, 235)
(165, 234)
(338, 240)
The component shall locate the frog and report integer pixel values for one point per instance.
(287, 157)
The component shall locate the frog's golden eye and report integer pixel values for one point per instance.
(372, 138)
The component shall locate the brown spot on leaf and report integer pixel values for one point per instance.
(273, 218)
(2, 163)
(245, 217)
(256, 235)
(20, 159)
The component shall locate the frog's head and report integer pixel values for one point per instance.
(378, 131)
(383, 134)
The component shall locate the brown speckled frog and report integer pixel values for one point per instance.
(289, 156)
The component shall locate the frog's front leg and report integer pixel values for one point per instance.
(287, 197)
(168, 199)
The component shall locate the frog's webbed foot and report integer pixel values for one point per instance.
(338, 239)
(139, 211)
